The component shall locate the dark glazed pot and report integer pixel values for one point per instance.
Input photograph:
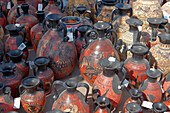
(159, 107)
(71, 100)
(137, 64)
(10, 78)
(99, 48)
(150, 87)
(33, 98)
(136, 97)
(14, 40)
(36, 30)
(27, 19)
(3, 21)
(44, 73)
(110, 80)
(133, 108)
(6, 99)
(54, 45)
(22, 67)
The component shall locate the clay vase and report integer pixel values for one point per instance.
(104, 10)
(159, 107)
(32, 97)
(44, 73)
(36, 30)
(22, 66)
(98, 48)
(15, 40)
(119, 21)
(109, 80)
(54, 45)
(103, 105)
(82, 12)
(1, 33)
(166, 99)
(27, 19)
(137, 64)
(10, 78)
(6, 99)
(151, 88)
(166, 83)
(161, 53)
(71, 100)
(80, 41)
(3, 21)
(144, 9)
(136, 97)
(166, 10)
(133, 108)
(13, 13)
(130, 37)
(54, 7)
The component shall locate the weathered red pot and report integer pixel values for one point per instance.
(54, 45)
(10, 78)
(36, 30)
(150, 87)
(71, 100)
(109, 80)
(44, 73)
(98, 48)
(6, 99)
(27, 19)
(3, 21)
(33, 98)
(13, 12)
(22, 66)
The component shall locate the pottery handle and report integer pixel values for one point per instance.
(57, 82)
(61, 5)
(8, 91)
(26, 57)
(97, 5)
(141, 97)
(75, 33)
(87, 87)
(114, 13)
(0, 8)
(150, 58)
(62, 26)
(126, 50)
(75, 11)
(115, 38)
(92, 37)
(21, 89)
(88, 12)
(18, 12)
(45, 29)
(165, 97)
(161, 78)
(1, 56)
(154, 34)
(44, 3)
(124, 76)
(131, 11)
(142, 78)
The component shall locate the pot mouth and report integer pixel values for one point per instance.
(1, 85)
(81, 9)
(24, 5)
(30, 82)
(71, 20)
(159, 107)
(164, 38)
(84, 28)
(15, 53)
(103, 101)
(101, 25)
(153, 73)
(11, 27)
(41, 61)
(135, 92)
(133, 107)
(139, 49)
(71, 84)
(155, 21)
(54, 17)
(134, 22)
(110, 2)
(123, 6)
(40, 12)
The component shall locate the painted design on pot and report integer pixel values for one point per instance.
(159, 107)
(150, 87)
(71, 100)
(33, 98)
(98, 48)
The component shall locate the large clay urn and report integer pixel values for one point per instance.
(54, 45)
(98, 48)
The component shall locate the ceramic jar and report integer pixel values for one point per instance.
(27, 19)
(10, 78)
(166, 11)
(109, 79)
(82, 12)
(166, 99)
(36, 30)
(159, 107)
(13, 13)
(54, 44)
(22, 66)
(14, 40)
(3, 21)
(98, 48)
(144, 9)
(136, 97)
(133, 108)
(166, 83)
(44, 73)
(161, 54)
(104, 10)
(6, 99)
(54, 7)
(119, 21)
(80, 41)
(32, 97)
(137, 64)
(71, 100)
(151, 88)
